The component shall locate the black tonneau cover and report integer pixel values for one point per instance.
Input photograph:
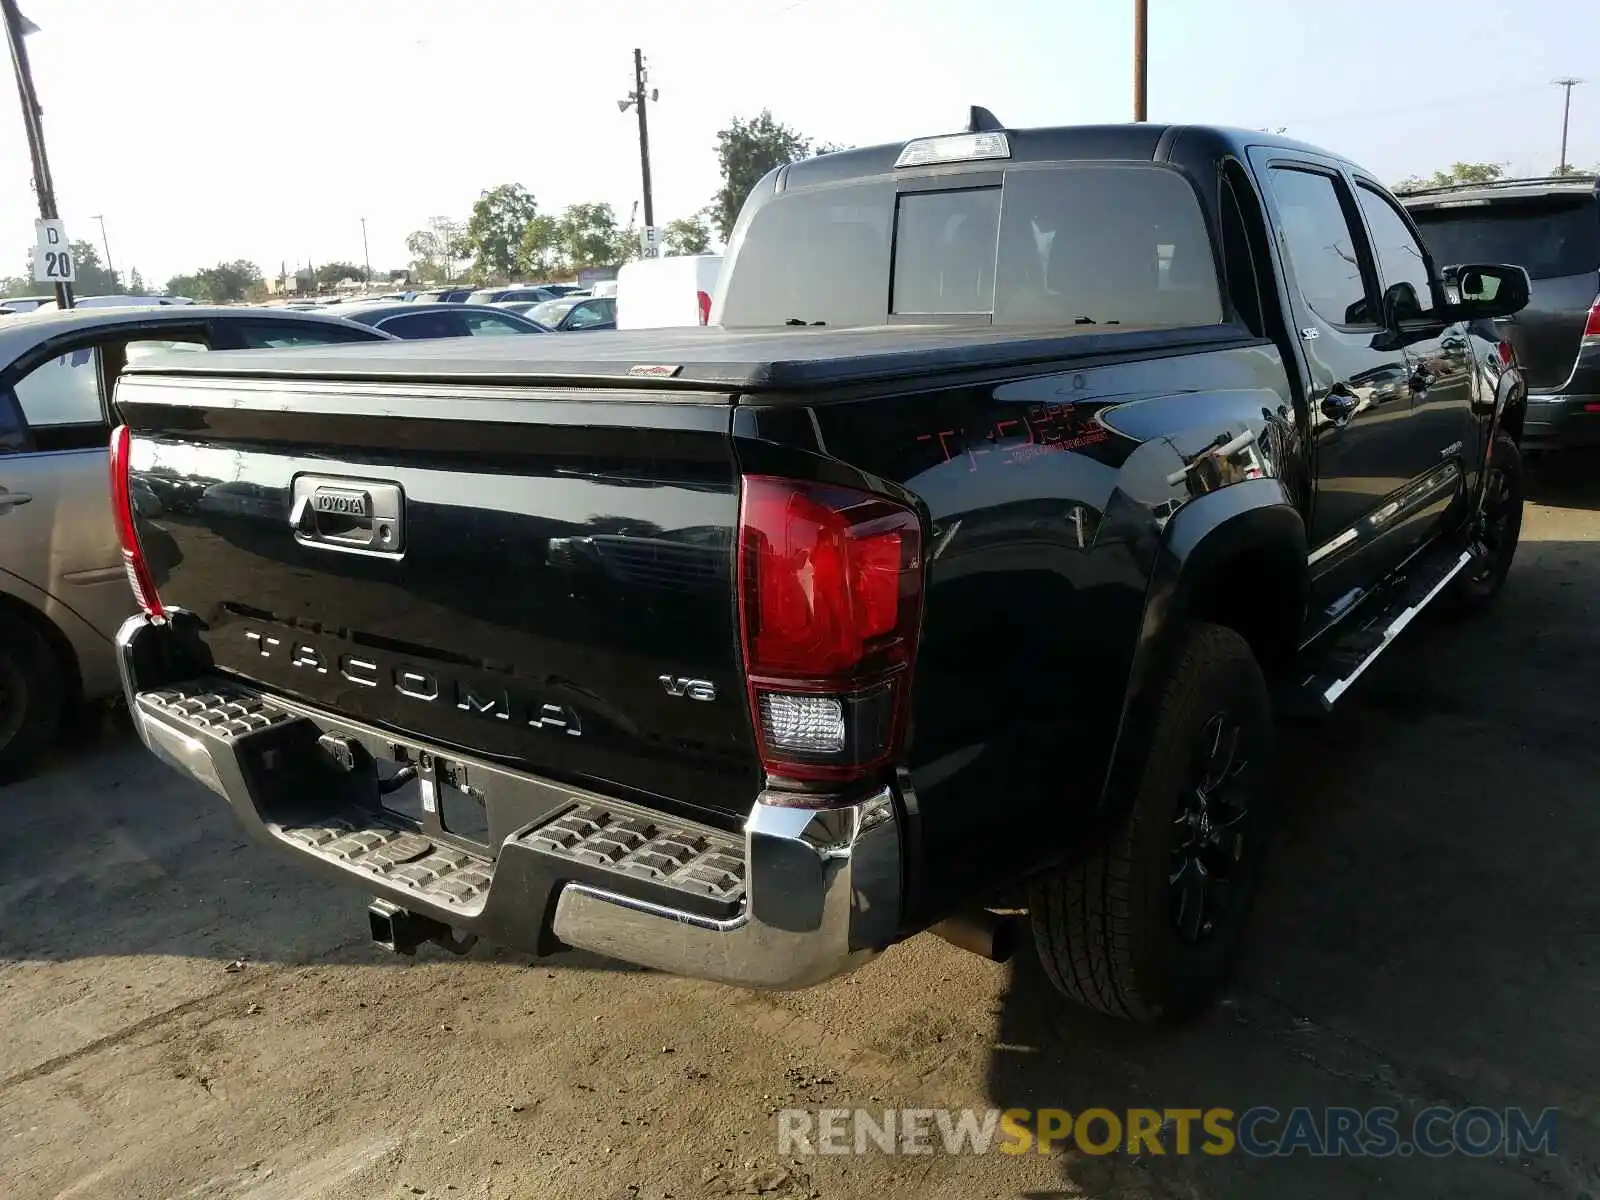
(693, 357)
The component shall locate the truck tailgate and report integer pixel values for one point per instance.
(543, 578)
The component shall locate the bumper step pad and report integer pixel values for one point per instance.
(442, 874)
(614, 846)
(221, 711)
(700, 863)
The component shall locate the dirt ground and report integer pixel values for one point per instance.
(188, 1016)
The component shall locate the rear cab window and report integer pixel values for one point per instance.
(1086, 244)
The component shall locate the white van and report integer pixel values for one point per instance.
(657, 292)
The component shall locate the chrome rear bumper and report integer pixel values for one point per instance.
(801, 894)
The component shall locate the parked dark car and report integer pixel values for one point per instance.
(525, 292)
(449, 295)
(414, 320)
(1550, 227)
(1027, 475)
(571, 313)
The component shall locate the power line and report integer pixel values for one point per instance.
(1390, 109)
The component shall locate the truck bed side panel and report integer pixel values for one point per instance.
(1048, 496)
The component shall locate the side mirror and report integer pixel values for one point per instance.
(1400, 303)
(1488, 290)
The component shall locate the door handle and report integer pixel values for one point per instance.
(1340, 406)
(1422, 379)
(9, 500)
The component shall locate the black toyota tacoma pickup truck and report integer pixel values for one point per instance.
(967, 554)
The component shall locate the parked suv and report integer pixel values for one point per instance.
(1552, 228)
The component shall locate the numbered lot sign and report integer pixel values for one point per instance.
(52, 259)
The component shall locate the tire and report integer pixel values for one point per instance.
(1495, 535)
(1119, 932)
(31, 696)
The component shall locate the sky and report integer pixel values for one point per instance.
(210, 130)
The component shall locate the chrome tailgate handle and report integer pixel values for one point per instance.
(357, 516)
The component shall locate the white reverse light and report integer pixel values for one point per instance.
(808, 724)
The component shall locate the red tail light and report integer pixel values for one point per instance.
(704, 300)
(144, 587)
(1591, 328)
(1506, 352)
(830, 600)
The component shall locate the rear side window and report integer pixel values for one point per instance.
(13, 434)
(268, 335)
(1098, 244)
(425, 325)
(63, 391)
(488, 325)
(1550, 238)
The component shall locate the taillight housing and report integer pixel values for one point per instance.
(1591, 327)
(133, 561)
(703, 299)
(830, 603)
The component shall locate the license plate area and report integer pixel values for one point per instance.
(437, 795)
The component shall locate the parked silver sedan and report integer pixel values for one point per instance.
(62, 587)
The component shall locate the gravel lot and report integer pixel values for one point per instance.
(188, 1016)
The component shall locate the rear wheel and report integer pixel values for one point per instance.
(31, 696)
(1150, 925)
(1495, 531)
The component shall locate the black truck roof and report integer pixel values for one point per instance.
(1141, 142)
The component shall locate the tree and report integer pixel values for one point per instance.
(230, 281)
(330, 274)
(688, 235)
(93, 277)
(1572, 172)
(427, 254)
(746, 151)
(1458, 173)
(224, 283)
(136, 285)
(186, 285)
(494, 233)
(539, 254)
(588, 235)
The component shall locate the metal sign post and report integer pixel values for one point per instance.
(17, 28)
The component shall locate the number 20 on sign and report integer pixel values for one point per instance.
(52, 259)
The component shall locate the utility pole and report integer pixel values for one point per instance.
(17, 28)
(1566, 111)
(638, 98)
(1141, 60)
(106, 242)
(365, 253)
